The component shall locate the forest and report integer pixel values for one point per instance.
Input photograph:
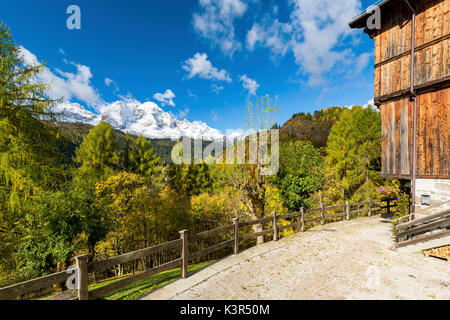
(100, 192)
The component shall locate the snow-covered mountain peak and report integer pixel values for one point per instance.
(146, 118)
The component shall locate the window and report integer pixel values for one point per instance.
(425, 200)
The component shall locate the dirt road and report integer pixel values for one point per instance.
(344, 260)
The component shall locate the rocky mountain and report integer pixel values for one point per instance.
(137, 118)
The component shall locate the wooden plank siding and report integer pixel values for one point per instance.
(431, 82)
(433, 136)
(393, 47)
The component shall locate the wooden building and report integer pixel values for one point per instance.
(412, 91)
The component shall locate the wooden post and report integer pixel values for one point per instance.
(236, 235)
(184, 234)
(347, 210)
(302, 210)
(275, 228)
(82, 279)
(412, 216)
(407, 210)
(369, 212)
(322, 211)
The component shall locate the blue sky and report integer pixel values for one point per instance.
(214, 56)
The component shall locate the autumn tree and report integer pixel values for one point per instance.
(300, 174)
(145, 162)
(353, 154)
(28, 148)
(99, 159)
(248, 178)
(127, 196)
(99, 148)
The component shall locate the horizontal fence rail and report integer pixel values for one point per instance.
(296, 220)
(35, 284)
(110, 262)
(424, 229)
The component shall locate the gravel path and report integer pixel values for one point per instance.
(344, 260)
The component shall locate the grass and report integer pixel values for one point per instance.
(140, 288)
(145, 286)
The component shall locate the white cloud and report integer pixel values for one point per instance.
(191, 95)
(60, 50)
(362, 61)
(165, 98)
(270, 34)
(370, 102)
(216, 88)
(67, 85)
(182, 114)
(110, 82)
(200, 66)
(214, 22)
(214, 116)
(315, 34)
(249, 84)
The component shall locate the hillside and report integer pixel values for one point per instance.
(76, 131)
(315, 128)
(302, 126)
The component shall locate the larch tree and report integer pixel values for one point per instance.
(28, 146)
(99, 148)
(145, 162)
(353, 153)
(99, 159)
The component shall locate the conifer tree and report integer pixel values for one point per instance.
(27, 137)
(28, 147)
(99, 148)
(127, 152)
(174, 176)
(354, 153)
(145, 161)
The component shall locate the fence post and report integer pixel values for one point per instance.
(302, 210)
(184, 234)
(407, 212)
(83, 290)
(322, 212)
(412, 216)
(369, 213)
(347, 210)
(275, 228)
(236, 235)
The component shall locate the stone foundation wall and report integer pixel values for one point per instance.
(437, 189)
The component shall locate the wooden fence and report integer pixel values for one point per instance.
(237, 232)
(434, 226)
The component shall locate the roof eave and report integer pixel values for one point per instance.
(360, 20)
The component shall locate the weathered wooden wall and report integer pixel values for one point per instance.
(393, 47)
(433, 136)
